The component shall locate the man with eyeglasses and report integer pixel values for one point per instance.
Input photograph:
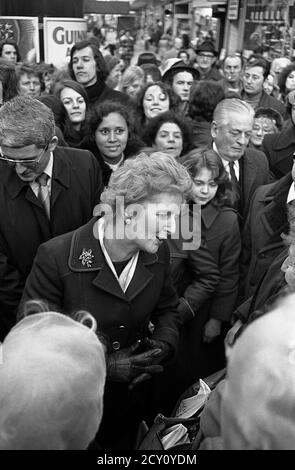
(45, 191)
(206, 57)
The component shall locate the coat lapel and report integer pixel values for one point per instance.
(60, 176)
(83, 239)
(209, 214)
(142, 276)
(248, 171)
(14, 186)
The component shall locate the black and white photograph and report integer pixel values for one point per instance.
(147, 229)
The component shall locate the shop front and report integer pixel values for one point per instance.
(267, 29)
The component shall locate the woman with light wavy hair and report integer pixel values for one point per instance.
(117, 267)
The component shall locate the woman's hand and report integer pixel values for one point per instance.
(212, 329)
(125, 366)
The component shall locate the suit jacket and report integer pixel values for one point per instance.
(279, 149)
(254, 172)
(75, 190)
(220, 228)
(59, 277)
(262, 242)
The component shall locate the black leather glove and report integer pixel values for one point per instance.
(125, 366)
(166, 349)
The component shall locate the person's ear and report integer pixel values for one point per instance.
(53, 143)
(214, 129)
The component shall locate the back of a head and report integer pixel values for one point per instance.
(258, 410)
(204, 97)
(52, 380)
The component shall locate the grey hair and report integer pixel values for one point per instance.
(144, 176)
(226, 107)
(26, 121)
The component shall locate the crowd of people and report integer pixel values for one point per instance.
(147, 217)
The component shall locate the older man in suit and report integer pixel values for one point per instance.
(247, 168)
(45, 191)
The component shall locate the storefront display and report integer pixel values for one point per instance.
(267, 27)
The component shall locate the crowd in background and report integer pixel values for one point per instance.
(158, 129)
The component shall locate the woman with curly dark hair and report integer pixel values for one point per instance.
(168, 132)
(204, 97)
(286, 80)
(112, 136)
(220, 227)
(154, 99)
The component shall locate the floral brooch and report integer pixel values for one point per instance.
(86, 257)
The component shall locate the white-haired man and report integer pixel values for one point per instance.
(247, 168)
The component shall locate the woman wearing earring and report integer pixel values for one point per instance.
(117, 267)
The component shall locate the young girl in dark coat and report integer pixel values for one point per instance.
(220, 227)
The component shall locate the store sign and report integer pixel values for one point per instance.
(233, 10)
(60, 34)
(24, 30)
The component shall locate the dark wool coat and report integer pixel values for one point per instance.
(75, 190)
(220, 229)
(59, 277)
(254, 172)
(279, 149)
(261, 240)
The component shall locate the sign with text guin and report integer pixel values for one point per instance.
(60, 34)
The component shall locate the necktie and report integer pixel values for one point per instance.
(234, 183)
(233, 176)
(43, 192)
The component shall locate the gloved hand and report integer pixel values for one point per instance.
(165, 350)
(212, 329)
(124, 366)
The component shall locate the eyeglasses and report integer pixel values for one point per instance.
(26, 162)
(206, 56)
